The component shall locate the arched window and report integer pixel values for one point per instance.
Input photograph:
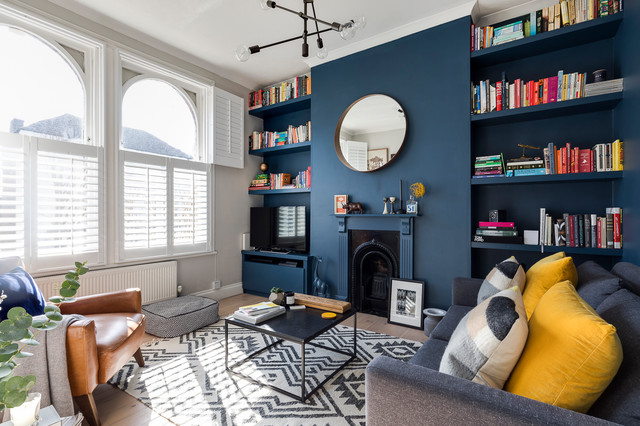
(159, 119)
(42, 91)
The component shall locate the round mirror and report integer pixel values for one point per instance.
(371, 133)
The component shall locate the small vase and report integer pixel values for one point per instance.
(276, 298)
(412, 205)
(27, 413)
(432, 318)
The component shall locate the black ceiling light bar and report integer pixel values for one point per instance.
(346, 30)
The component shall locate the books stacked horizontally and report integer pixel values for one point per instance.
(489, 166)
(259, 312)
(603, 157)
(260, 182)
(525, 166)
(604, 87)
(582, 230)
(497, 232)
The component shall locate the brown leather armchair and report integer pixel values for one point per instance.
(98, 346)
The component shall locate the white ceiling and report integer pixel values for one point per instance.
(211, 29)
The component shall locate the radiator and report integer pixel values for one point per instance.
(157, 281)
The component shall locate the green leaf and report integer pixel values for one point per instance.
(83, 270)
(10, 349)
(15, 399)
(23, 354)
(38, 323)
(71, 275)
(14, 384)
(67, 292)
(5, 358)
(69, 299)
(5, 370)
(49, 325)
(79, 265)
(55, 299)
(51, 308)
(30, 342)
(15, 313)
(54, 316)
(10, 333)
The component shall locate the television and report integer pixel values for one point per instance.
(282, 228)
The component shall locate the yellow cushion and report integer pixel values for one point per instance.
(543, 275)
(571, 354)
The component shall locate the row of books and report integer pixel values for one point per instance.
(282, 180)
(497, 232)
(280, 92)
(259, 312)
(582, 230)
(603, 157)
(303, 179)
(566, 12)
(293, 134)
(502, 95)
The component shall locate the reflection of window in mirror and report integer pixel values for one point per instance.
(355, 153)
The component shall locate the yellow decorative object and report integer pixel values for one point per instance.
(417, 190)
(328, 315)
(571, 354)
(543, 275)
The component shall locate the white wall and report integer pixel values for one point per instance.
(231, 202)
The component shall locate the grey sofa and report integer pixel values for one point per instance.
(415, 393)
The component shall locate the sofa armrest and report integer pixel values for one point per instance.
(407, 394)
(106, 303)
(82, 357)
(464, 291)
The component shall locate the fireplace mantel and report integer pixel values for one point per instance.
(403, 223)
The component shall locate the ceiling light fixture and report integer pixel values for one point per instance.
(346, 30)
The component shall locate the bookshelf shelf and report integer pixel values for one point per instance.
(279, 191)
(555, 109)
(549, 249)
(297, 104)
(585, 32)
(282, 149)
(390, 216)
(571, 177)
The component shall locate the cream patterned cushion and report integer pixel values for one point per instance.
(504, 275)
(488, 341)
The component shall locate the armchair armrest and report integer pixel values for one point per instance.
(82, 357)
(106, 303)
(407, 394)
(464, 291)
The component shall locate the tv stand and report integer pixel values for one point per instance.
(275, 251)
(262, 270)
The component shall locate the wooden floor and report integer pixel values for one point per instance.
(116, 407)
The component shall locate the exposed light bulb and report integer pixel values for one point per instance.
(266, 4)
(348, 30)
(360, 22)
(322, 53)
(242, 53)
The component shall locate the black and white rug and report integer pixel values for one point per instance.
(185, 381)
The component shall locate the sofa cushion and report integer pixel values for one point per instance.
(488, 342)
(445, 327)
(543, 275)
(596, 283)
(630, 275)
(571, 355)
(504, 275)
(20, 290)
(619, 403)
(430, 354)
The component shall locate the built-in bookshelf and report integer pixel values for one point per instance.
(584, 122)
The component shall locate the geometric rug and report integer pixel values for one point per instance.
(185, 381)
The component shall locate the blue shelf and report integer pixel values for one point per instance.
(570, 177)
(549, 249)
(282, 149)
(297, 104)
(279, 191)
(390, 216)
(585, 32)
(554, 109)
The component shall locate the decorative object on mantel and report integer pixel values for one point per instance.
(319, 286)
(392, 200)
(416, 191)
(276, 296)
(352, 207)
(385, 200)
(407, 297)
(346, 30)
(400, 210)
(338, 203)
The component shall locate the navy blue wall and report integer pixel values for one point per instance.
(428, 73)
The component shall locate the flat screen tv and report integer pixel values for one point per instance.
(282, 228)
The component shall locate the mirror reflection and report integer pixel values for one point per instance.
(371, 133)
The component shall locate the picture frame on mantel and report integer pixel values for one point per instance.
(338, 204)
(405, 307)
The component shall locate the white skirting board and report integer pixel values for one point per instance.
(221, 293)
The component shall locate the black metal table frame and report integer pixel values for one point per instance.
(304, 395)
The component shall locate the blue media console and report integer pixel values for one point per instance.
(263, 270)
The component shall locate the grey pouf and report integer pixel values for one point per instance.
(174, 317)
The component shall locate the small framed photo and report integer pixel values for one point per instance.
(377, 158)
(338, 202)
(407, 298)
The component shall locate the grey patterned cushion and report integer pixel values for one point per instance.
(175, 317)
(487, 343)
(504, 275)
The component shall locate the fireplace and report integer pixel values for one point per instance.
(374, 261)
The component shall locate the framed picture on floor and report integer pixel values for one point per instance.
(407, 298)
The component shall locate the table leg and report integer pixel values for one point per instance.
(355, 333)
(303, 392)
(226, 345)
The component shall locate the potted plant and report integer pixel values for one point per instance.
(277, 295)
(15, 336)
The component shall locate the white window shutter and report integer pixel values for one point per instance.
(228, 133)
(190, 207)
(356, 154)
(12, 196)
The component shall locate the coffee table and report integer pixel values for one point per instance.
(297, 326)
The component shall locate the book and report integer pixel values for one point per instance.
(498, 239)
(609, 227)
(496, 224)
(617, 227)
(529, 172)
(497, 232)
(543, 224)
(258, 308)
(257, 319)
